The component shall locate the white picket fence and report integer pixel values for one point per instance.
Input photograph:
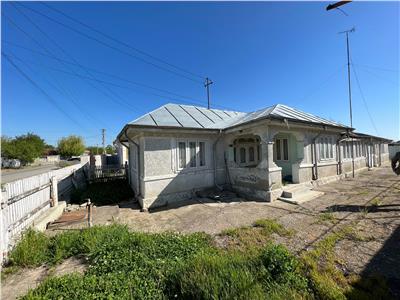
(26, 199)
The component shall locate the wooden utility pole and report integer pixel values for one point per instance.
(349, 89)
(206, 84)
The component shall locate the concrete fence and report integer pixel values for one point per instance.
(24, 201)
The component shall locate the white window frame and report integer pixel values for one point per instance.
(326, 148)
(282, 152)
(187, 153)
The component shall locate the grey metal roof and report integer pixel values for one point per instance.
(186, 116)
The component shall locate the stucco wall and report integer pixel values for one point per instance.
(164, 181)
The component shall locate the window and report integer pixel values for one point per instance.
(192, 149)
(242, 155)
(246, 151)
(282, 149)
(191, 154)
(202, 154)
(326, 148)
(182, 154)
(278, 150)
(251, 154)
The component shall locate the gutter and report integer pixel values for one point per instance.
(215, 160)
(138, 164)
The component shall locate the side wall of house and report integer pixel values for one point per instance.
(175, 166)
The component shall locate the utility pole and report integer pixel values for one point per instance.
(206, 84)
(349, 88)
(103, 134)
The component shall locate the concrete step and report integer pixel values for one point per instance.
(300, 197)
(293, 190)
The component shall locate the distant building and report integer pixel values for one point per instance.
(178, 149)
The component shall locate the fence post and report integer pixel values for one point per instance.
(89, 208)
(4, 236)
(54, 191)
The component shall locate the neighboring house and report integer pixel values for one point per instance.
(176, 150)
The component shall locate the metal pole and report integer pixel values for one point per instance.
(103, 132)
(350, 104)
(207, 84)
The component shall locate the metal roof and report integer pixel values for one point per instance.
(186, 116)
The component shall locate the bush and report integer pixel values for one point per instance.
(31, 251)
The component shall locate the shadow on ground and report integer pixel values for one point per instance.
(385, 264)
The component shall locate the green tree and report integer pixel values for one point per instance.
(110, 149)
(71, 146)
(95, 150)
(25, 147)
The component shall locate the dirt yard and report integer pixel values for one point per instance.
(370, 204)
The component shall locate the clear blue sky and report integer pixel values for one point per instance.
(257, 54)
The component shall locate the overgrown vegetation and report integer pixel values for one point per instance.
(103, 193)
(25, 147)
(131, 265)
(71, 146)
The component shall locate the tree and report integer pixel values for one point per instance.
(95, 150)
(110, 149)
(71, 146)
(25, 147)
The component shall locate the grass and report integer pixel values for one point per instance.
(103, 193)
(328, 281)
(376, 202)
(326, 217)
(249, 238)
(131, 265)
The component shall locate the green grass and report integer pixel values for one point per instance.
(103, 193)
(131, 265)
(326, 217)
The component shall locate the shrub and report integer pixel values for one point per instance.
(31, 251)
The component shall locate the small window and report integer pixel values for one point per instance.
(251, 154)
(242, 155)
(258, 152)
(285, 150)
(182, 154)
(192, 149)
(331, 148)
(278, 149)
(202, 153)
(234, 154)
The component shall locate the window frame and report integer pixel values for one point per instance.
(188, 156)
(326, 148)
(281, 152)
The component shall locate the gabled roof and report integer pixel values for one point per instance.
(186, 116)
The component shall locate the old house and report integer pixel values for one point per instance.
(176, 150)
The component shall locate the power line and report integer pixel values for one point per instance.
(48, 97)
(108, 74)
(107, 82)
(377, 68)
(111, 95)
(119, 41)
(363, 98)
(106, 44)
(323, 83)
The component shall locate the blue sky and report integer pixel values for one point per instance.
(257, 54)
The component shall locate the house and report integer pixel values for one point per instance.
(394, 148)
(176, 150)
